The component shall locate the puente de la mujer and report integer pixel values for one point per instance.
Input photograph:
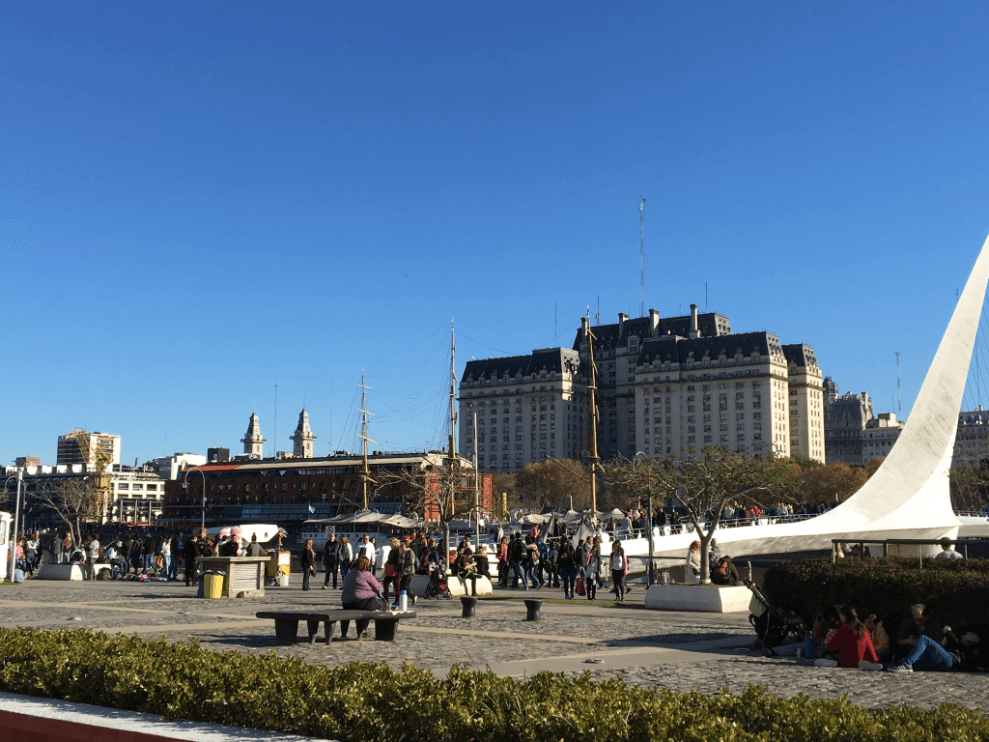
(908, 496)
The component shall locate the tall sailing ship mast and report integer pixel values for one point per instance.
(365, 469)
(592, 456)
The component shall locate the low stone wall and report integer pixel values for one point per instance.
(457, 588)
(73, 572)
(702, 598)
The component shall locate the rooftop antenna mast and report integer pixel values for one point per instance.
(274, 442)
(642, 261)
(366, 473)
(899, 399)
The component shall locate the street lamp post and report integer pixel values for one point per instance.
(17, 516)
(652, 549)
(202, 524)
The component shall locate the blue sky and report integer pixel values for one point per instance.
(199, 202)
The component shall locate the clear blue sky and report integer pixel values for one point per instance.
(201, 201)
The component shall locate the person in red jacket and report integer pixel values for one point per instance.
(851, 642)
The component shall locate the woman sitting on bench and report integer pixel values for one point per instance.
(360, 593)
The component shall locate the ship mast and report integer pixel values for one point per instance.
(593, 457)
(453, 409)
(366, 473)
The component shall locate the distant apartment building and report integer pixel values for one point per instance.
(852, 433)
(664, 386)
(171, 467)
(972, 439)
(291, 491)
(133, 495)
(80, 447)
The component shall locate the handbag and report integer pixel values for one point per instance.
(580, 585)
(389, 569)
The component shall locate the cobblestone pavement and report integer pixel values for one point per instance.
(679, 651)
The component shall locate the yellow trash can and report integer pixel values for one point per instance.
(213, 586)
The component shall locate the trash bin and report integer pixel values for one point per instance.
(213, 585)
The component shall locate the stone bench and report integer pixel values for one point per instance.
(287, 623)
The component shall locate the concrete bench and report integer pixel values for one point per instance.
(287, 623)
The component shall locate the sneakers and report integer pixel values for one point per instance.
(825, 662)
(899, 667)
(866, 665)
(767, 652)
(324, 587)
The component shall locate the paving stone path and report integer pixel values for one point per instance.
(679, 651)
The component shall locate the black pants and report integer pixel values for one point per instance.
(331, 569)
(362, 624)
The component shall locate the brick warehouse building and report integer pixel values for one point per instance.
(291, 491)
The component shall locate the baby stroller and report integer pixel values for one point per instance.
(772, 625)
(437, 587)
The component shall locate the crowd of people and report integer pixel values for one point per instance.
(160, 555)
(840, 638)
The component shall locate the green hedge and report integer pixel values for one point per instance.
(957, 591)
(371, 703)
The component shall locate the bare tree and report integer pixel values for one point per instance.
(705, 483)
(78, 500)
(436, 492)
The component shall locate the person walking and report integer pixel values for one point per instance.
(567, 560)
(405, 568)
(307, 563)
(190, 553)
(345, 555)
(330, 562)
(619, 566)
(591, 569)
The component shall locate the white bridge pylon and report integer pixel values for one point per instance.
(908, 496)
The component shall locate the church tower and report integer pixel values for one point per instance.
(302, 441)
(253, 442)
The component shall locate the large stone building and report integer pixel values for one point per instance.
(664, 385)
(528, 408)
(852, 433)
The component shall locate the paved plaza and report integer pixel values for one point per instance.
(679, 651)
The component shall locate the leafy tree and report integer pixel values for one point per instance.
(823, 483)
(706, 482)
(554, 483)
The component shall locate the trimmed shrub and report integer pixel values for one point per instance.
(373, 703)
(956, 591)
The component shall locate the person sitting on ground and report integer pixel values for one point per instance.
(925, 654)
(851, 643)
(919, 623)
(948, 551)
(361, 592)
(880, 639)
(724, 572)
